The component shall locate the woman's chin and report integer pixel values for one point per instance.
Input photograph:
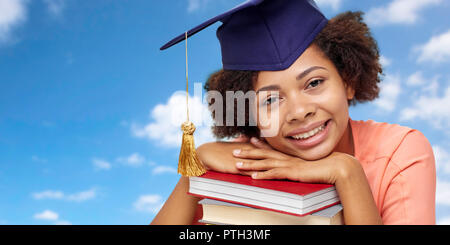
(314, 153)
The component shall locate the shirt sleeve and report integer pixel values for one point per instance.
(410, 196)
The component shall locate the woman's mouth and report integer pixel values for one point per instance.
(312, 137)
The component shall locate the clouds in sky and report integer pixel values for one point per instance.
(134, 160)
(59, 195)
(442, 157)
(436, 50)
(424, 102)
(148, 203)
(49, 215)
(442, 192)
(333, 4)
(55, 7)
(194, 5)
(163, 169)
(432, 109)
(100, 164)
(12, 14)
(399, 12)
(385, 61)
(390, 89)
(166, 119)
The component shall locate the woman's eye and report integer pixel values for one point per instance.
(270, 100)
(316, 83)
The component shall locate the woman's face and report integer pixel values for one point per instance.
(303, 110)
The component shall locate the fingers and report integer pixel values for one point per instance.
(302, 174)
(258, 153)
(275, 173)
(260, 165)
(248, 173)
(260, 143)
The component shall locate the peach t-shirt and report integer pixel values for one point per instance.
(400, 168)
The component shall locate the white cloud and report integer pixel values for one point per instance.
(59, 195)
(82, 196)
(384, 61)
(444, 221)
(49, 215)
(46, 215)
(134, 160)
(194, 5)
(55, 7)
(416, 79)
(333, 4)
(12, 13)
(442, 192)
(398, 12)
(442, 157)
(436, 50)
(48, 194)
(432, 109)
(149, 203)
(428, 85)
(389, 92)
(167, 119)
(163, 169)
(100, 164)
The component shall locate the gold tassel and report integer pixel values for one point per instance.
(188, 162)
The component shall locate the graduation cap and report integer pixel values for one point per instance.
(263, 35)
(257, 35)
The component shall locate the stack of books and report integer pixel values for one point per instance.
(240, 200)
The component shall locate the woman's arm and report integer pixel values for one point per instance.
(180, 208)
(355, 194)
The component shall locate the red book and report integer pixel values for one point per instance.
(284, 196)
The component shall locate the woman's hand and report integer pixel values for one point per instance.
(218, 156)
(267, 163)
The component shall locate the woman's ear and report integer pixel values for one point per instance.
(349, 91)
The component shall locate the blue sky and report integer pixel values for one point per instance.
(88, 104)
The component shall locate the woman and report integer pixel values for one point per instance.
(383, 173)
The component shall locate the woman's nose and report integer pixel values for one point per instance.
(299, 109)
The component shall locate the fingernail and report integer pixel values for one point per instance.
(239, 164)
(254, 175)
(237, 151)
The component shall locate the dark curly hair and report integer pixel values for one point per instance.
(346, 41)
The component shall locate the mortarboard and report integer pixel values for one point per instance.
(264, 35)
(258, 35)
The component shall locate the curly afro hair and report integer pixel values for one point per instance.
(346, 41)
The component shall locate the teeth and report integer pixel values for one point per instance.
(308, 134)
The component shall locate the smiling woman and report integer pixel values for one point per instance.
(304, 131)
(345, 44)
